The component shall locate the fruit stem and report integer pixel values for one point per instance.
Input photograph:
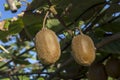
(80, 31)
(44, 20)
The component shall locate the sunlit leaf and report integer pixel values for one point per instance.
(4, 25)
(54, 24)
(14, 27)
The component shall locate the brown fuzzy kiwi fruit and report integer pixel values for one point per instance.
(47, 46)
(97, 72)
(113, 67)
(83, 49)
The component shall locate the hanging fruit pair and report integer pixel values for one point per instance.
(48, 48)
(83, 49)
(47, 45)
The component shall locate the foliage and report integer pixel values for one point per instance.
(18, 60)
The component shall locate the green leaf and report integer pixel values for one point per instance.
(54, 24)
(34, 28)
(41, 79)
(22, 57)
(32, 22)
(24, 77)
(30, 18)
(4, 78)
(99, 32)
(1, 63)
(20, 61)
(18, 4)
(111, 27)
(14, 27)
(6, 7)
(6, 25)
(36, 4)
(69, 10)
(114, 8)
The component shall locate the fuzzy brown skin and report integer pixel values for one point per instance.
(97, 72)
(47, 46)
(83, 50)
(113, 67)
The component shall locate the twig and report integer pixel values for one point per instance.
(103, 59)
(60, 68)
(108, 40)
(11, 78)
(41, 71)
(16, 57)
(18, 74)
(114, 19)
(110, 21)
(4, 49)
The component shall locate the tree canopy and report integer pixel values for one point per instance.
(99, 19)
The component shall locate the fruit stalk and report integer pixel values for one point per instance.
(45, 18)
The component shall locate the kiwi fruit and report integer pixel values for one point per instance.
(83, 49)
(97, 72)
(47, 46)
(113, 67)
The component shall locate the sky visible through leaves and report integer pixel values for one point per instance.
(7, 14)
